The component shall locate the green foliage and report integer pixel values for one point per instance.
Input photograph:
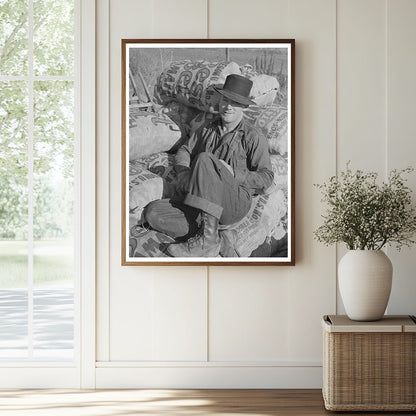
(53, 263)
(365, 215)
(13, 129)
(54, 126)
(53, 37)
(53, 118)
(13, 37)
(13, 208)
(52, 208)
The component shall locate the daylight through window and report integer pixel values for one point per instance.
(38, 185)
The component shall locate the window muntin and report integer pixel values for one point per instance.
(37, 140)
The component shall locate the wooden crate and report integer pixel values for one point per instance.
(369, 366)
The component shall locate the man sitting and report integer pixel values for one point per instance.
(219, 169)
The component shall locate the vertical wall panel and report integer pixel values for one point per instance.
(159, 316)
(361, 84)
(131, 316)
(266, 19)
(312, 24)
(248, 314)
(180, 307)
(401, 143)
(248, 306)
(355, 90)
(312, 282)
(139, 328)
(361, 89)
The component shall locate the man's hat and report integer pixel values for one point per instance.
(237, 88)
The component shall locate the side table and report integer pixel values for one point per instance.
(369, 366)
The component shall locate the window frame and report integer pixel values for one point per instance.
(81, 371)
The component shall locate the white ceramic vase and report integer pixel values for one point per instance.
(364, 278)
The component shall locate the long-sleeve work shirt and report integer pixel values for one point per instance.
(244, 149)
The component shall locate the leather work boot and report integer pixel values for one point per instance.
(205, 243)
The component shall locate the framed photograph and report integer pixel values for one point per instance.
(208, 157)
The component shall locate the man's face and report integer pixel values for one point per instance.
(230, 111)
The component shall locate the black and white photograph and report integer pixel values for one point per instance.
(208, 152)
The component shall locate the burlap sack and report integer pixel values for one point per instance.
(244, 237)
(147, 243)
(191, 83)
(150, 133)
(180, 114)
(264, 89)
(160, 164)
(144, 187)
(272, 122)
(258, 226)
(280, 170)
(266, 220)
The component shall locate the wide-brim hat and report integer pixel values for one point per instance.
(237, 88)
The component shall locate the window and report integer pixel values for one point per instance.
(38, 184)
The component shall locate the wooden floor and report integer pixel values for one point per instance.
(165, 402)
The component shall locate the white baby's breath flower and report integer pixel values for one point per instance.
(365, 215)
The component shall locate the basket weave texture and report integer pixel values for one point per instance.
(369, 371)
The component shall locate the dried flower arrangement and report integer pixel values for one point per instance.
(366, 215)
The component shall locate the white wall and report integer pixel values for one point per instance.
(254, 326)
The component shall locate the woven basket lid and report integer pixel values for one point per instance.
(390, 323)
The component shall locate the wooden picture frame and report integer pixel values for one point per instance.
(171, 90)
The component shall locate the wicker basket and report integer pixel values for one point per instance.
(369, 366)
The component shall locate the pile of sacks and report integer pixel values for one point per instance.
(188, 101)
